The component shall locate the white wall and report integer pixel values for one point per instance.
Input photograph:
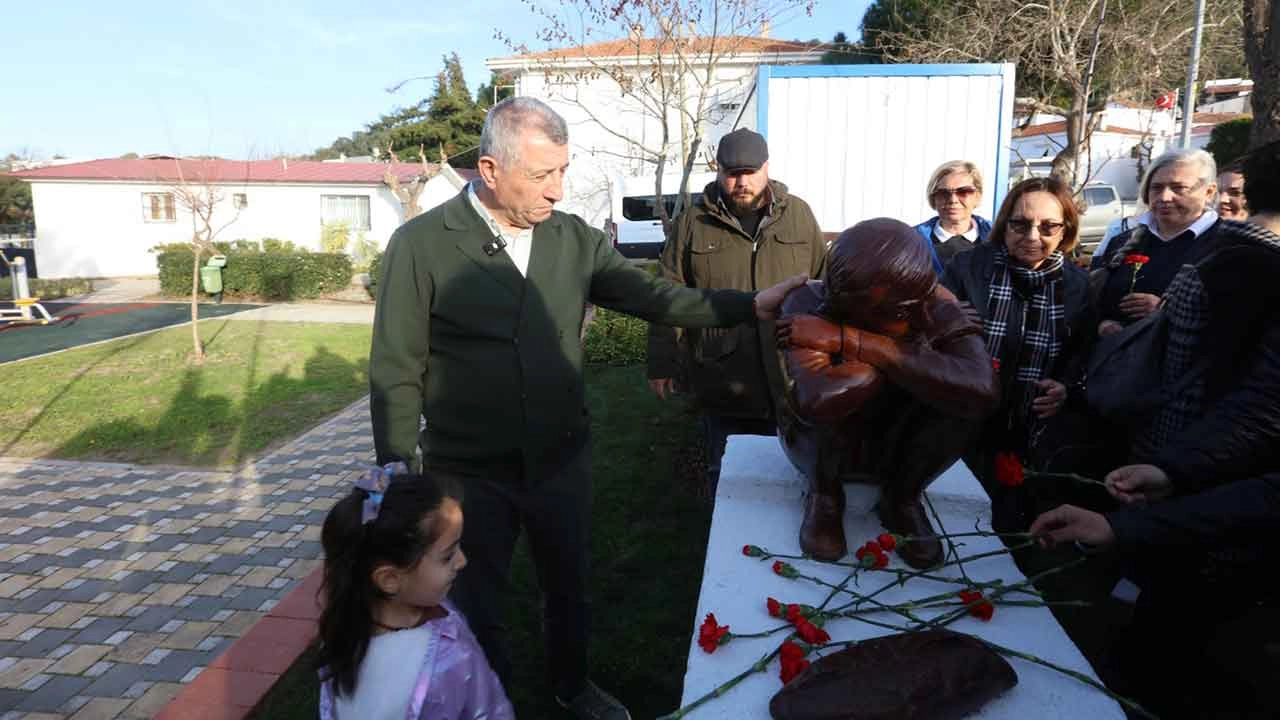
(864, 146)
(95, 229)
(597, 113)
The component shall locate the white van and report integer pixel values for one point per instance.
(633, 223)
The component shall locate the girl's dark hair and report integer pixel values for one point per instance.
(1056, 188)
(1262, 178)
(399, 536)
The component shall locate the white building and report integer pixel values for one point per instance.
(101, 218)
(609, 130)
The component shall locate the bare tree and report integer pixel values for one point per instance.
(1073, 56)
(408, 194)
(201, 195)
(1262, 49)
(662, 56)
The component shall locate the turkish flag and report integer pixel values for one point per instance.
(1168, 100)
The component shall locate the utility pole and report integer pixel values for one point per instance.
(1189, 97)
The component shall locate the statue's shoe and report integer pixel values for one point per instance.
(822, 530)
(910, 520)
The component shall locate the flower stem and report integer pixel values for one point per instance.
(1130, 704)
(724, 687)
(1073, 477)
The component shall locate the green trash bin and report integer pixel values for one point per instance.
(211, 275)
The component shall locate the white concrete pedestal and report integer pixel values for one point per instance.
(758, 502)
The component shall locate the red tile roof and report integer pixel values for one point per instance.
(1061, 126)
(170, 170)
(1206, 118)
(736, 44)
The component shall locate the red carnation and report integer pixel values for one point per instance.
(995, 364)
(1009, 469)
(978, 605)
(783, 569)
(887, 541)
(793, 614)
(712, 635)
(1136, 259)
(791, 658)
(775, 607)
(752, 551)
(881, 561)
(811, 633)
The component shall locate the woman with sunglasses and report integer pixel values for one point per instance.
(955, 190)
(1033, 306)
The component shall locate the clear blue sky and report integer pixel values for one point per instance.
(239, 78)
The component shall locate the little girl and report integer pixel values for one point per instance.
(391, 646)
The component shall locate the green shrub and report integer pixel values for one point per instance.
(615, 339)
(363, 253)
(335, 236)
(1229, 140)
(276, 246)
(266, 275)
(51, 289)
(375, 271)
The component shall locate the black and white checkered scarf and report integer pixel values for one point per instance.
(1042, 326)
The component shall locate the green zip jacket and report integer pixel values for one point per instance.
(493, 359)
(725, 370)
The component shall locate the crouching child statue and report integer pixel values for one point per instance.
(885, 381)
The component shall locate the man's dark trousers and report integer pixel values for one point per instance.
(499, 498)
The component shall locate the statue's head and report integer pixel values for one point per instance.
(879, 275)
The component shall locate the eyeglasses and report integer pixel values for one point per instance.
(1047, 229)
(1176, 189)
(963, 193)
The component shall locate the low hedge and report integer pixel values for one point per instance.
(49, 289)
(615, 339)
(267, 275)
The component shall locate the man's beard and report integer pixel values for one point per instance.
(742, 206)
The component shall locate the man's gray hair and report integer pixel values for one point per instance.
(502, 126)
(1207, 169)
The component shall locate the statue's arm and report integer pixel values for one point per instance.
(821, 391)
(951, 371)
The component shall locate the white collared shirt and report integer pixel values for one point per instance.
(942, 235)
(1197, 228)
(519, 245)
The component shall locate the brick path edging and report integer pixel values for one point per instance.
(234, 684)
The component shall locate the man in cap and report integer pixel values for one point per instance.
(743, 232)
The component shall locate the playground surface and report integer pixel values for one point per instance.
(83, 323)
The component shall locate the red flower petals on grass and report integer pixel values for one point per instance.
(1008, 469)
(712, 635)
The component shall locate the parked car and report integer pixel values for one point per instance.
(1102, 207)
(634, 222)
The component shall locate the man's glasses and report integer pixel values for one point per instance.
(1047, 229)
(963, 193)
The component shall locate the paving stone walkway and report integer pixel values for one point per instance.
(120, 583)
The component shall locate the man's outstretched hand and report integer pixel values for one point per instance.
(769, 301)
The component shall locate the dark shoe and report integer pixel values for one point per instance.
(910, 519)
(592, 703)
(822, 530)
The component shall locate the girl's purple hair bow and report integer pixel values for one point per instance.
(375, 482)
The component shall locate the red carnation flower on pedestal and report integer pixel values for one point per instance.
(775, 607)
(978, 605)
(712, 635)
(887, 541)
(791, 657)
(811, 633)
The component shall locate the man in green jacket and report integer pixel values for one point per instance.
(743, 232)
(477, 330)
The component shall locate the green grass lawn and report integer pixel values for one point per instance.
(650, 533)
(140, 400)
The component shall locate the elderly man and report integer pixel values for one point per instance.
(477, 330)
(1180, 188)
(744, 231)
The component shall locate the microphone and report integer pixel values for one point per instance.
(494, 246)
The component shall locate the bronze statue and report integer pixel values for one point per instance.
(886, 379)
